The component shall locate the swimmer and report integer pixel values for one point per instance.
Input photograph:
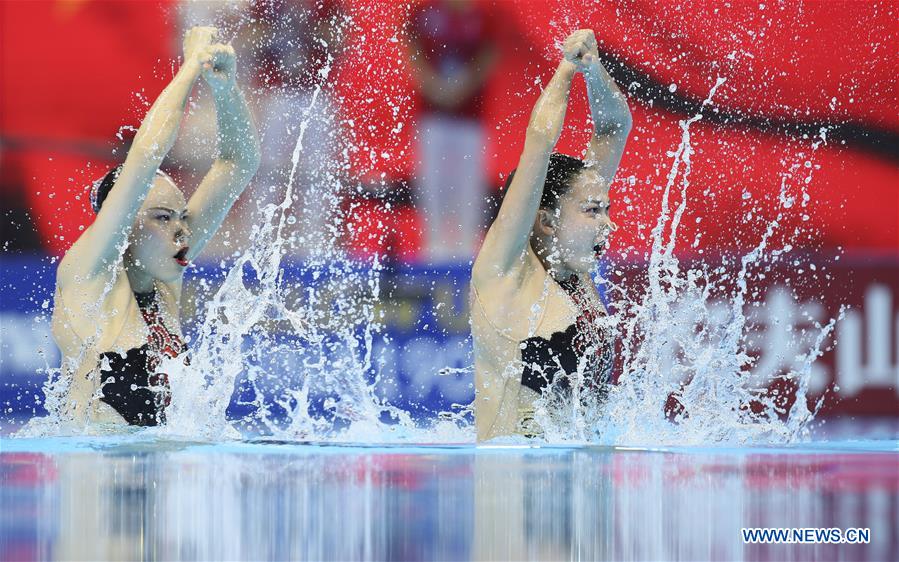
(118, 289)
(534, 307)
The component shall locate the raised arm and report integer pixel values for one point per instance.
(507, 239)
(97, 251)
(608, 107)
(238, 150)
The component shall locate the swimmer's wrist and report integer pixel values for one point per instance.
(224, 90)
(593, 66)
(567, 68)
(192, 67)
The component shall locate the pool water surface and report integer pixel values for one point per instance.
(129, 498)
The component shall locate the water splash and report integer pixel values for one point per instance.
(686, 373)
(301, 358)
(255, 316)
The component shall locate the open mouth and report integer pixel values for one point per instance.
(599, 250)
(181, 256)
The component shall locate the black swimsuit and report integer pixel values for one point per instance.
(129, 382)
(552, 362)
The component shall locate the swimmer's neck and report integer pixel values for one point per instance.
(563, 274)
(139, 281)
(559, 271)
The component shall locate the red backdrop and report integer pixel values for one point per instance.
(73, 72)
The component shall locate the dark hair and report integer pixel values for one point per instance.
(560, 173)
(100, 189)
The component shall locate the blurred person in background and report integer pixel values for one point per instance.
(452, 55)
(538, 324)
(295, 45)
(291, 46)
(118, 289)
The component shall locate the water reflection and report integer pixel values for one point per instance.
(178, 501)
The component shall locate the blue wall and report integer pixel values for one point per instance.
(425, 329)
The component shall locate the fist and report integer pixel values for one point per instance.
(196, 40)
(218, 63)
(580, 48)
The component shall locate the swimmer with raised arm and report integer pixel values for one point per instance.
(536, 316)
(118, 289)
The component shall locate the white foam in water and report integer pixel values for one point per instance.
(329, 343)
(307, 350)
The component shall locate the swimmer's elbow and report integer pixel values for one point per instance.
(540, 138)
(242, 165)
(251, 158)
(616, 127)
(147, 153)
(238, 171)
(249, 161)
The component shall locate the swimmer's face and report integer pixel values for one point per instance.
(160, 234)
(581, 224)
